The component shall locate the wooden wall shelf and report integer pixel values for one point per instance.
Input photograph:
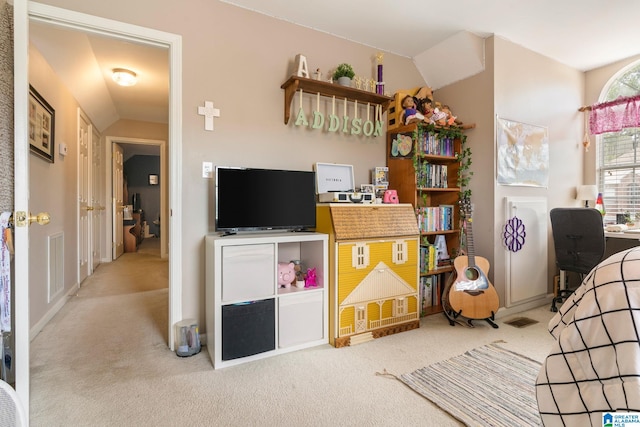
(295, 83)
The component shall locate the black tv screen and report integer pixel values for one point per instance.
(264, 199)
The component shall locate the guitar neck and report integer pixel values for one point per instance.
(471, 254)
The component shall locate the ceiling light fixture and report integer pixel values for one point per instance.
(124, 77)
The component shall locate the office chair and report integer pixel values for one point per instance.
(578, 238)
(11, 410)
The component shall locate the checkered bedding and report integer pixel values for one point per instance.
(594, 366)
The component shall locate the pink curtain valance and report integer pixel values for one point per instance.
(613, 116)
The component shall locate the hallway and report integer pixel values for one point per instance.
(103, 333)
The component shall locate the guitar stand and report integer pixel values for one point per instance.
(453, 319)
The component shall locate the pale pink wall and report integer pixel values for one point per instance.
(239, 59)
(521, 85)
(53, 190)
(137, 129)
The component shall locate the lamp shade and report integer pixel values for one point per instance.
(586, 193)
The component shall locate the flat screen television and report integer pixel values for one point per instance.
(251, 199)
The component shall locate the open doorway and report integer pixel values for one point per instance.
(106, 29)
(151, 184)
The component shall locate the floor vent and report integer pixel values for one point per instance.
(521, 322)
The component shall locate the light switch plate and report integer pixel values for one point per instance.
(207, 170)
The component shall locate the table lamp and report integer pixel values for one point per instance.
(586, 193)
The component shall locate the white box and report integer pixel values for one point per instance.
(380, 175)
(300, 318)
(242, 283)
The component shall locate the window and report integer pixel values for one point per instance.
(618, 164)
(360, 255)
(400, 252)
(400, 307)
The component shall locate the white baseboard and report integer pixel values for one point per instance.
(35, 330)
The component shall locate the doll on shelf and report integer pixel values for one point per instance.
(411, 113)
(439, 117)
(451, 119)
(416, 107)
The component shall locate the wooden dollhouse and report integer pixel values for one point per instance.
(373, 270)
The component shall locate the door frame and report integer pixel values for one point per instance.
(24, 11)
(110, 140)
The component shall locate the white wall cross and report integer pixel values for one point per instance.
(209, 113)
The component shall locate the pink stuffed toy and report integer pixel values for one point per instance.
(310, 280)
(286, 274)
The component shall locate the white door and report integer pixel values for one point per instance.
(118, 199)
(84, 197)
(97, 198)
(361, 319)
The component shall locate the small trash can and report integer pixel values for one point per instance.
(187, 338)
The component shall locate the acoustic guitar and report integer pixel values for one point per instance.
(471, 294)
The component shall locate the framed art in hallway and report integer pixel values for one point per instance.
(153, 179)
(41, 126)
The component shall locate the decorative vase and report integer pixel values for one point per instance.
(344, 81)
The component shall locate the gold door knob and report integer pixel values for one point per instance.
(21, 219)
(89, 208)
(42, 218)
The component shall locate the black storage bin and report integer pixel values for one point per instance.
(248, 328)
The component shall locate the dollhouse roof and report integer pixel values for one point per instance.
(381, 283)
(369, 221)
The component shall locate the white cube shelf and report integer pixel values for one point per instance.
(244, 303)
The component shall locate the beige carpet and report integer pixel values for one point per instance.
(103, 361)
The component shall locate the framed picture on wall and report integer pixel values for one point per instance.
(153, 179)
(41, 126)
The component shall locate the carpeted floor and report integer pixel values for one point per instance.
(103, 361)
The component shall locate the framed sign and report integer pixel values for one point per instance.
(41, 126)
(153, 179)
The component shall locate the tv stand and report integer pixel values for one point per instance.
(248, 316)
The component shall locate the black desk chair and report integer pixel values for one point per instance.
(578, 238)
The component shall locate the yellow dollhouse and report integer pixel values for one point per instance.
(373, 270)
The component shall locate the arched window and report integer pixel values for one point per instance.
(618, 154)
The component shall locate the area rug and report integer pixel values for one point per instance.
(486, 386)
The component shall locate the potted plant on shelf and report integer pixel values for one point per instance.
(343, 74)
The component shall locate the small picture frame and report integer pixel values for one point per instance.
(41, 126)
(153, 179)
(367, 188)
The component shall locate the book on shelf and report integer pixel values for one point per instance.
(435, 218)
(425, 293)
(436, 145)
(431, 175)
(430, 291)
